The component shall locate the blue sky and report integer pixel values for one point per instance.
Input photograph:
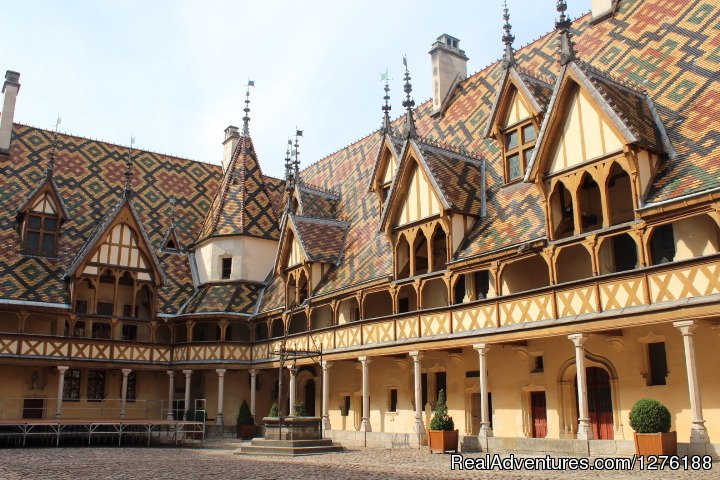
(173, 73)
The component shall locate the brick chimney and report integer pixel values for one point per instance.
(602, 9)
(449, 64)
(10, 89)
(232, 137)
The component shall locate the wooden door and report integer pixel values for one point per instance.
(538, 409)
(600, 403)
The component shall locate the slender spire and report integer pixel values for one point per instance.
(51, 160)
(408, 103)
(386, 106)
(508, 38)
(296, 153)
(246, 118)
(128, 169)
(288, 161)
(563, 25)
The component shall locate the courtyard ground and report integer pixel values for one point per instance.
(215, 459)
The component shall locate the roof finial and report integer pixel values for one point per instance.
(508, 38)
(408, 103)
(386, 107)
(288, 161)
(51, 161)
(296, 153)
(128, 169)
(246, 118)
(562, 25)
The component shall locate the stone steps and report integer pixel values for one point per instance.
(261, 446)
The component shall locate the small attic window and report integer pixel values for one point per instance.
(40, 226)
(171, 243)
(226, 270)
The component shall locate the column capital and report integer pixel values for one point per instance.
(292, 369)
(482, 348)
(170, 373)
(686, 327)
(578, 339)
(221, 371)
(126, 371)
(417, 355)
(365, 360)
(62, 369)
(187, 372)
(326, 365)
(253, 372)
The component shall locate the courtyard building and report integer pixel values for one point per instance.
(540, 240)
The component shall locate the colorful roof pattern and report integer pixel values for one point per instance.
(226, 297)
(315, 202)
(321, 239)
(242, 206)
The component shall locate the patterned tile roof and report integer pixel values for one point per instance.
(242, 206)
(321, 239)
(226, 297)
(178, 285)
(541, 90)
(275, 189)
(316, 202)
(89, 177)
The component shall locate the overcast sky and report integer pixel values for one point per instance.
(174, 73)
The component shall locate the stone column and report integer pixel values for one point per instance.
(221, 394)
(584, 431)
(123, 391)
(253, 386)
(61, 387)
(326, 395)
(171, 394)
(293, 373)
(365, 425)
(417, 377)
(485, 429)
(698, 432)
(188, 374)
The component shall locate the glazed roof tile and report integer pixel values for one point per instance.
(225, 297)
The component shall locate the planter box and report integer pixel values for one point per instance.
(442, 441)
(656, 443)
(246, 431)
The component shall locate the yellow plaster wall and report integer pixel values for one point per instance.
(252, 258)
(517, 110)
(420, 201)
(695, 236)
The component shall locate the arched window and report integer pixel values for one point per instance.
(402, 258)
(562, 212)
(439, 249)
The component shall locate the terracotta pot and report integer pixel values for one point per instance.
(656, 443)
(441, 441)
(245, 431)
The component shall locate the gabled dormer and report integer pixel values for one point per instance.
(386, 166)
(40, 217)
(596, 152)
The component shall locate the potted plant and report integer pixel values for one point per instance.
(442, 436)
(300, 410)
(651, 421)
(245, 422)
(274, 411)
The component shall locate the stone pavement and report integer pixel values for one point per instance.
(216, 460)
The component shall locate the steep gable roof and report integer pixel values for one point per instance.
(242, 206)
(48, 184)
(316, 202)
(224, 297)
(322, 240)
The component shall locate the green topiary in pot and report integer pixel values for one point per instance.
(441, 420)
(300, 410)
(273, 410)
(244, 416)
(650, 416)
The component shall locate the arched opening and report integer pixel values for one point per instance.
(84, 296)
(695, 237)
(238, 332)
(618, 254)
(132, 331)
(310, 397)
(619, 195)
(459, 290)
(41, 325)
(298, 323)
(9, 322)
(573, 263)
(163, 334)
(402, 258)
(291, 291)
(600, 405)
(348, 311)
(321, 317)
(526, 274)
(434, 293)
(125, 295)
(278, 329)
(377, 304)
(206, 332)
(561, 205)
(261, 331)
(144, 302)
(439, 249)
(590, 204)
(101, 329)
(420, 252)
(407, 299)
(302, 287)
(181, 333)
(106, 293)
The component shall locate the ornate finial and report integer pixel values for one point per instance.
(128, 169)
(296, 153)
(51, 161)
(246, 118)
(562, 25)
(386, 107)
(408, 103)
(288, 161)
(508, 38)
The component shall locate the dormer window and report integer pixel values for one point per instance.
(226, 268)
(40, 227)
(519, 146)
